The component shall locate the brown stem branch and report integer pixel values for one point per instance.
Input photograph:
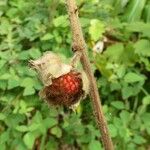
(79, 45)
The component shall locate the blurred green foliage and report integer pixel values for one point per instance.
(29, 28)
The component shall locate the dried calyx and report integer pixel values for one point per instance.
(63, 84)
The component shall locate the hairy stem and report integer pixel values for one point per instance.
(80, 46)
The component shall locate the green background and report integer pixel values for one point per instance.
(29, 28)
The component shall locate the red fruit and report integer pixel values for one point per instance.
(65, 90)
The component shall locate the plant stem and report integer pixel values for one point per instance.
(80, 46)
(144, 91)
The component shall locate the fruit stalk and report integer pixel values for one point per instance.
(80, 46)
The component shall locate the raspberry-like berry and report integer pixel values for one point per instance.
(69, 83)
(65, 90)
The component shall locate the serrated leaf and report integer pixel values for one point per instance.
(56, 131)
(61, 21)
(95, 145)
(5, 76)
(139, 139)
(2, 63)
(29, 90)
(12, 83)
(118, 104)
(142, 47)
(23, 55)
(47, 36)
(96, 29)
(84, 21)
(4, 136)
(139, 27)
(3, 84)
(121, 71)
(101, 63)
(145, 118)
(112, 130)
(125, 116)
(27, 82)
(127, 91)
(34, 53)
(50, 122)
(29, 139)
(5, 26)
(132, 77)
(2, 116)
(146, 100)
(114, 52)
(34, 126)
(22, 128)
(115, 86)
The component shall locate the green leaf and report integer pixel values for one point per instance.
(84, 22)
(142, 47)
(124, 133)
(136, 123)
(4, 136)
(56, 131)
(29, 139)
(118, 104)
(53, 112)
(23, 55)
(131, 89)
(139, 139)
(132, 77)
(95, 145)
(134, 10)
(3, 84)
(96, 29)
(139, 27)
(112, 130)
(34, 126)
(3, 146)
(2, 63)
(127, 91)
(50, 122)
(13, 120)
(29, 90)
(115, 86)
(101, 63)
(145, 118)
(61, 21)
(146, 100)
(21, 128)
(2, 116)
(52, 144)
(147, 13)
(12, 83)
(38, 117)
(47, 36)
(114, 52)
(121, 71)
(125, 117)
(27, 82)
(5, 76)
(34, 53)
(5, 26)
